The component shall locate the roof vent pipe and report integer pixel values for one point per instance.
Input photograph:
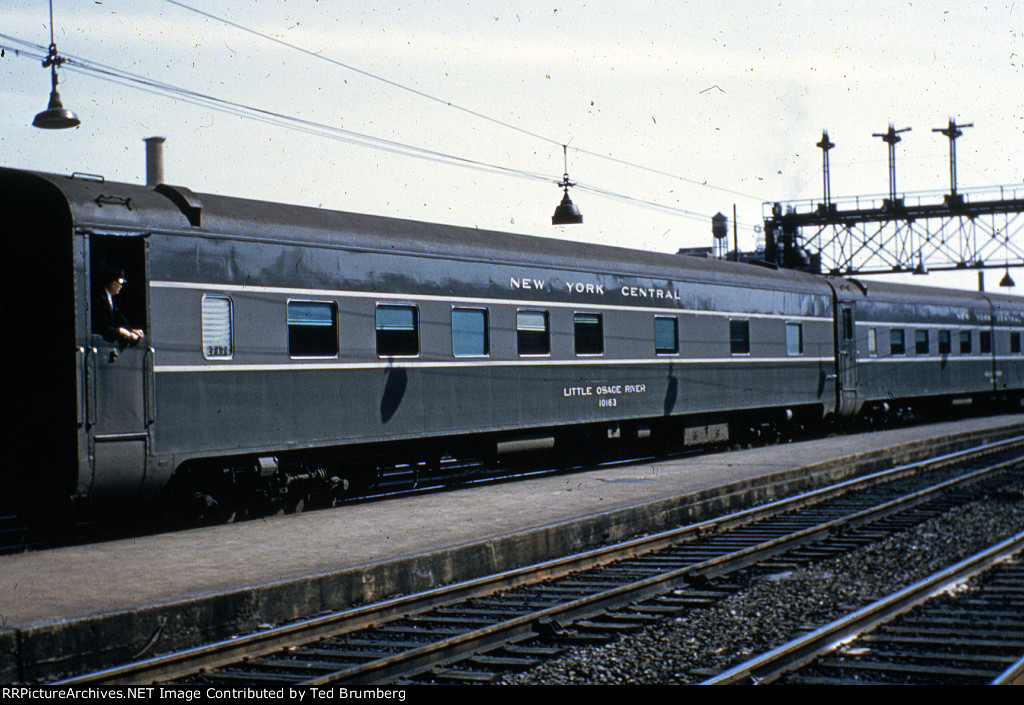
(154, 161)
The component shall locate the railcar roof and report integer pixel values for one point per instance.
(98, 204)
(913, 293)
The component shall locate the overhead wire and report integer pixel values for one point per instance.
(154, 87)
(454, 106)
(354, 69)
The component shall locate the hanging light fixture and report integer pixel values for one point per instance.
(566, 213)
(56, 116)
(1007, 280)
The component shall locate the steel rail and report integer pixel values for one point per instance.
(799, 652)
(1014, 675)
(339, 623)
(454, 648)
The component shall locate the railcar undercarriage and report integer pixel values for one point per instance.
(219, 490)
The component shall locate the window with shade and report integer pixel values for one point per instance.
(312, 329)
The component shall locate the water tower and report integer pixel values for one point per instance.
(720, 231)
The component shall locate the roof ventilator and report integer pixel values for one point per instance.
(186, 201)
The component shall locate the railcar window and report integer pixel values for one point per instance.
(985, 341)
(312, 329)
(872, 341)
(217, 328)
(794, 339)
(532, 333)
(1015, 342)
(469, 332)
(945, 346)
(739, 337)
(965, 342)
(847, 324)
(920, 342)
(666, 335)
(588, 333)
(896, 344)
(397, 331)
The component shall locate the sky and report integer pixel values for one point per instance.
(693, 106)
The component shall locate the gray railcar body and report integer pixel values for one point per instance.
(277, 333)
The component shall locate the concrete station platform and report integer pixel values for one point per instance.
(87, 607)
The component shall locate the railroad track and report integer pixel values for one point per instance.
(400, 480)
(18, 536)
(942, 630)
(475, 630)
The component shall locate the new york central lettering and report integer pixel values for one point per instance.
(577, 288)
(526, 283)
(640, 292)
(584, 288)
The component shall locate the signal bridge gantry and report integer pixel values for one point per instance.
(916, 232)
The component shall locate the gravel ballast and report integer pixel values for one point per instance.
(772, 609)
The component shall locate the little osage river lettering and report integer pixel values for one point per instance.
(607, 393)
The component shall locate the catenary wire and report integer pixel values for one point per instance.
(31, 50)
(454, 106)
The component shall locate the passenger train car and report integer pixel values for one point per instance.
(291, 351)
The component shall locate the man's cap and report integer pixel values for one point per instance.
(112, 273)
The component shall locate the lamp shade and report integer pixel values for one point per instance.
(56, 116)
(567, 213)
